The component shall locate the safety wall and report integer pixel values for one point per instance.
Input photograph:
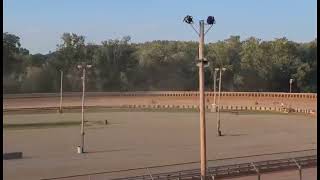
(228, 108)
(169, 94)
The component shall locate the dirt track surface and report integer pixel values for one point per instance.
(140, 139)
(40, 102)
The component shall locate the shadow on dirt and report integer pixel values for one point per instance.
(227, 134)
(108, 150)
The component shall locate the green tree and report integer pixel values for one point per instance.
(119, 65)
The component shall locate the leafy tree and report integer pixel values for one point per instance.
(11, 51)
(119, 65)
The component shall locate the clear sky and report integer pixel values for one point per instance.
(40, 23)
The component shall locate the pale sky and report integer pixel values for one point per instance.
(40, 23)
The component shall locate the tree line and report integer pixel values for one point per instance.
(121, 65)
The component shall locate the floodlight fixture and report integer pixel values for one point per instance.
(206, 63)
(188, 19)
(211, 20)
(83, 65)
(223, 69)
(291, 80)
(216, 69)
(89, 65)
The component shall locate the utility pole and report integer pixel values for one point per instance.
(83, 68)
(203, 152)
(202, 62)
(214, 89)
(61, 84)
(82, 108)
(290, 81)
(218, 115)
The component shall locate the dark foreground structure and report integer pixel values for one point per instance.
(227, 171)
(236, 170)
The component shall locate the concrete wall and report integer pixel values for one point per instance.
(222, 108)
(172, 99)
(168, 93)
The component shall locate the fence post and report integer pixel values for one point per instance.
(212, 176)
(149, 173)
(299, 167)
(257, 170)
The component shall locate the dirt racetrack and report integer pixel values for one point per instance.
(298, 100)
(140, 139)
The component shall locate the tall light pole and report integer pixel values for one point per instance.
(83, 67)
(290, 81)
(218, 115)
(202, 62)
(214, 89)
(61, 84)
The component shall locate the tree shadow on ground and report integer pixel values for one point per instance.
(230, 134)
(108, 150)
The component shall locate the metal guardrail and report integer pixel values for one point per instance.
(231, 169)
(235, 170)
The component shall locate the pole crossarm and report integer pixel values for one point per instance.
(208, 29)
(195, 29)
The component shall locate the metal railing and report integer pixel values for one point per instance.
(235, 170)
(215, 170)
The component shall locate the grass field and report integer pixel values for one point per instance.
(137, 139)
